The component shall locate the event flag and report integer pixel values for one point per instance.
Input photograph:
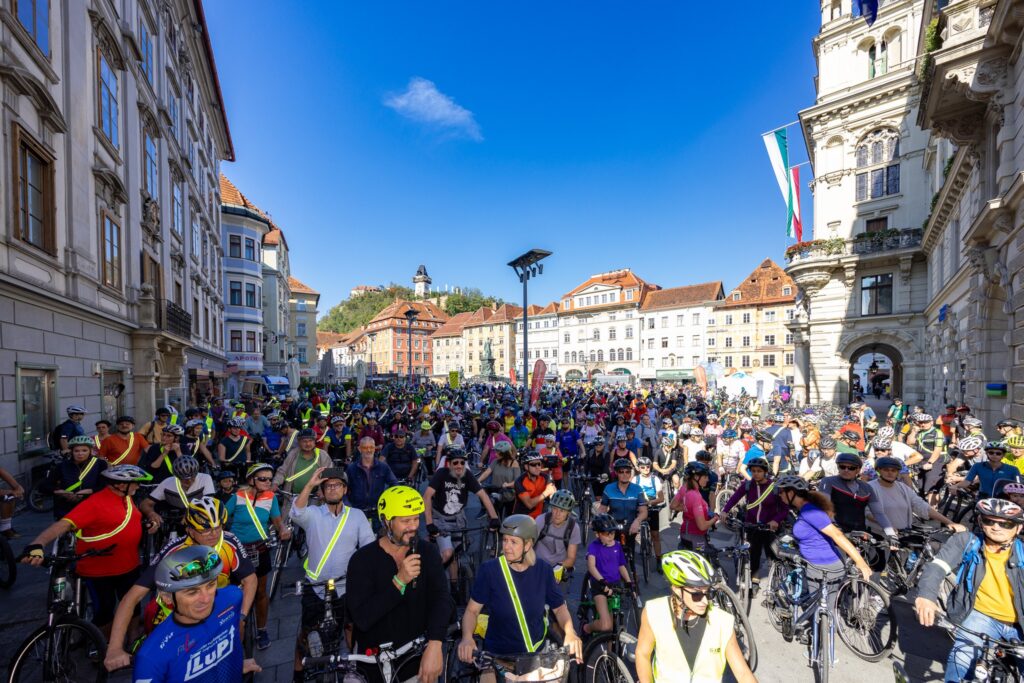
(787, 178)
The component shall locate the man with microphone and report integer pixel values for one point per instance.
(398, 589)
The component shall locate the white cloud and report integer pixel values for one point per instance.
(424, 103)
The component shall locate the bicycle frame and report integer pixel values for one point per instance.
(385, 656)
(810, 609)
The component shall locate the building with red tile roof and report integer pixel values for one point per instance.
(673, 335)
(542, 338)
(383, 343)
(448, 347)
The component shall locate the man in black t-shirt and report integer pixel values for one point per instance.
(542, 430)
(446, 498)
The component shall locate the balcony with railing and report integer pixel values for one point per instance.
(864, 244)
(176, 320)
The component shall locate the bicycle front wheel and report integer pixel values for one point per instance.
(39, 500)
(743, 582)
(72, 652)
(865, 619)
(822, 659)
(726, 599)
(8, 565)
(281, 554)
(603, 661)
(722, 498)
(645, 553)
(772, 592)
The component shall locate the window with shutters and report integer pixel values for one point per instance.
(34, 199)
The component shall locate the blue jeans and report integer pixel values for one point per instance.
(966, 646)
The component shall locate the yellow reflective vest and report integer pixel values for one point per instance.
(669, 662)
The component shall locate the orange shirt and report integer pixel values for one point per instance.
(119, 450)
(98, 515)
(529, 488)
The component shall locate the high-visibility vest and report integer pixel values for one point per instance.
(669, 663)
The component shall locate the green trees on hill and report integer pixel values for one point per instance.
(357, 311)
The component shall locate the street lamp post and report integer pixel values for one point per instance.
(526, 266)
(410, 315)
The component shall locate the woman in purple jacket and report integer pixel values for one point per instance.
(763, 506)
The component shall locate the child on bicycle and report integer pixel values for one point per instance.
(606, 569)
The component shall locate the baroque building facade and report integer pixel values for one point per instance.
(110, 251)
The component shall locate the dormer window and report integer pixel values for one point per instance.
(735, 296)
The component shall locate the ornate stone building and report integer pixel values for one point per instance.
(863, 278)
(114, 129)
(971, 85)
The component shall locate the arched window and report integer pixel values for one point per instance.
(672, 360)
(872, 53)
(882, 62)
(600, 356)
(566, 356)
(621, 355)
(629, 353)
(878, 164)
(573, 356)
(593, 356)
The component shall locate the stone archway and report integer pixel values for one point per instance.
(885, 369)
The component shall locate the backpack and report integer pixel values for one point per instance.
(53, 438)
(570, 525)
(972, 558)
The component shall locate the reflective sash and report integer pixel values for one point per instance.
(253, 517)
(131, 442)
(757, 503)
(82, 476)
(167, 461)
(291, 440)
(316, 461)
(96, 440)
(241, 447)
(115, 532)
(181, 493)
(520, 617)
(313, 576)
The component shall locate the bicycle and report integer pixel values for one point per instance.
(467, 561)
(585, 504)
(329, 635)
(345, 667)
(726, 488)
(740, 555)
(282, 549)
(645, 545)
(606, 655)
(725, 598)
(67, 647)
(996, 660)
(37, 499)
(548, 666)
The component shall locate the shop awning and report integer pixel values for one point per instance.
(674, 375)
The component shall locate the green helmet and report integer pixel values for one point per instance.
(80, 441)
(520, 526)
(687, 568)
(563, 499)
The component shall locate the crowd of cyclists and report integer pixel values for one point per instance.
(371, 493)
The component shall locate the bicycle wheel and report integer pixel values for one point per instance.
(8, 565)
(745, 590)
(726, 599)
(603, 662)
(74, 652)
(865, 619)
(721, 498)
(37, 499)
(822, 659)
(773, 596)
(645, 553)
(280, 560)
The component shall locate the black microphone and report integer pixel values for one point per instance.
(415, 550)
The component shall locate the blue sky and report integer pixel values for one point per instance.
(459, 134)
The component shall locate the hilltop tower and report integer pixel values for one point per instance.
(421, 282)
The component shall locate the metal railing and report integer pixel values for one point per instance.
(862, 244)
(176, 320)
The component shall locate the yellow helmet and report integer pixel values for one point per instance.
(399, 501)
(1015, 442)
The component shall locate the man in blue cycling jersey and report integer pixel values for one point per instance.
(202, 643)
(625, 501)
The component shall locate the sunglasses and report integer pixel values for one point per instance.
(533, 464)
(698, 596)
(848, 468)
(264, 478)
(187, 570)
(456, 462)
(623, 471)
(1001, 523)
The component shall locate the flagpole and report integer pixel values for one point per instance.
(793, 123)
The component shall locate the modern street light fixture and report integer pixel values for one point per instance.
(373, 335)
(410, 315)
(526, 266)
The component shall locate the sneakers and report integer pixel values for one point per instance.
(262, 639)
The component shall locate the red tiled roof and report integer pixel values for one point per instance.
(614, 278)
(328, 340)
(480, 316)
(623, 279)
(453, 328)
(300, 288)
(425, 310)
(678, 297)
(763, 286)
(534, 309)
(274, 236)
(506, 313)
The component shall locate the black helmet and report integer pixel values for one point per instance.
(334, 473)
(695, 469)
(762, 435)
(882, 463)
(454, 453)
(307, 434)
(125, 418)
(849, 459)
(827, 442)
(759, 462)
(622, 463)
(791, 481)
(604, 522)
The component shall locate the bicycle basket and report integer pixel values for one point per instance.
(547, 667)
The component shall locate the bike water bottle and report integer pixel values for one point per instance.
(315, 645)
(911, 560)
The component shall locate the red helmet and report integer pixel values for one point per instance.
(493, 426)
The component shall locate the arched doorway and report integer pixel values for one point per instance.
(876, 372)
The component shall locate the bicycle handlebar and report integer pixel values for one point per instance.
(386, 653)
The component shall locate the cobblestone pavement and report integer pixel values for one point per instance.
(922, 651)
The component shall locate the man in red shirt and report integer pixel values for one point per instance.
(106, 520)
(124, 446)
(532, 487)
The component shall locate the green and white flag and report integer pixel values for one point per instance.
(788, 179)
